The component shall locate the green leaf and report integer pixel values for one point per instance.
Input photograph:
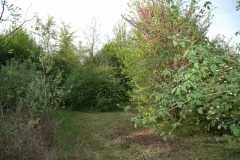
(183, 116)
(175, 43)
(235, 131)
(178, 91)
(144, 121)
(127, 108)
(182, 44)
(135, 125)
(229, 139)
(164, 138)
(192, 53)
(192, 84)
(176, 124)
(198, 102)
(158, 97)
(140, 108)
(217, 60)
(196, 95)
(200, 110)
(192, 77)
(9, 72)
(11, 51)
(196, 65)
(184, 88)
(173, 90)
(213, 68)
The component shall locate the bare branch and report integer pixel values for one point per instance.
(3, 6)
(92, 37)
(16, 29)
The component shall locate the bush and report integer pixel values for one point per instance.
(93, 88)
(19, 45)
(22, 138)
(28, 95)
(28, 86)
(203, 93)
(14, 80)
(186, 78)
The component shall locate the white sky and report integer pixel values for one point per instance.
(79, 13)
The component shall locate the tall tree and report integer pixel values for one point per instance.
(66, 57)
(155, 27)
(92, 40)
(47, 34)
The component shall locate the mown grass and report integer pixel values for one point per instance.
(113, 136)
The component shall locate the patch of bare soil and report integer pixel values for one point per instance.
(148, 138)
(146, 144)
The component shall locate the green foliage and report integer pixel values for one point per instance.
(152, 46)
(44, 93)
(14, 80)
(180, 77)
(27, 88)
(13, 13)
(66, 58)
(93, 88)
(46, 34)
(238, 5)
(19, 45)
(27, 96)
(108, 56)
(15, 136)
(203, 93)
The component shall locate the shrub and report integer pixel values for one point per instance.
(14, 80)
(93, 88)
(188, 79)
(28, 96)
(22, 138)
(150, 48)
(203, 93)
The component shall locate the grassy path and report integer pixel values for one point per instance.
(111, 136)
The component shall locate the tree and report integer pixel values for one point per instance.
(238, 5)
(191, 81)
(238, 32)
(28, 93)
(13, 17)
(92, 88)
(107, 56)
(15, 41)
(92, 40)
(47, 34)
(152, 46)
(47, 85)
(66, 58)
(19, 45)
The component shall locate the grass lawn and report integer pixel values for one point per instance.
(112, 136)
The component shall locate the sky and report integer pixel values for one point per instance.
(226, 20)
(79, 13)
